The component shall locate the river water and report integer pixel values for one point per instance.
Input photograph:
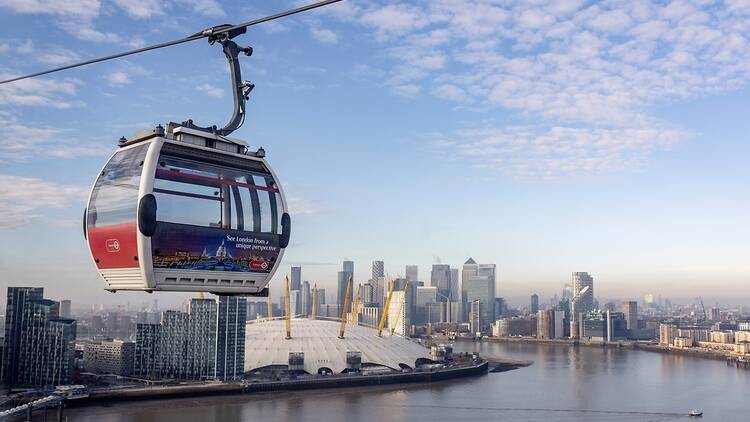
(564, 384)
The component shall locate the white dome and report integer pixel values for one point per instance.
(318, 339)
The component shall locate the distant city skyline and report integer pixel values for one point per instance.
(447, 133)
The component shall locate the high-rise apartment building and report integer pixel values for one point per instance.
(109, 357)
(378, 269)
(39, 344)
(207, 342)
(398, 313)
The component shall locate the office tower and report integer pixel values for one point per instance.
(306, 299)
(378, 269)
(534, 304)
(295, 283)
(39, 344)
(295, 302)
(558, 324)
(412, 273)
(543, 325)
(426, 294)
(321, 296)
(348, 266)
(65, 308)
(500, 308)
(479, 284)
(343, 279)
(454, 286)
(583, 293)
(440, 277)
(630, 309)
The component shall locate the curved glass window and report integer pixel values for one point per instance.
(208, 195)
(114, 199)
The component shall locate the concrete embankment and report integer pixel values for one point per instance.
(650, 347)
(338, 381)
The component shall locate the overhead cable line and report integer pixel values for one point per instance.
(203, 34)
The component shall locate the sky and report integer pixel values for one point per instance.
(543, 137)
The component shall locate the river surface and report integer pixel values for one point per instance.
(564, 384)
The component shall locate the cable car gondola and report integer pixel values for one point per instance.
(185, 208)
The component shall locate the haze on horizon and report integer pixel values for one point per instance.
(543, 137)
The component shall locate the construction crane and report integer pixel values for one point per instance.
(314, 302)
(387, 305)
(699, 299)
(401, 308)
(287, 310)
(347, 302)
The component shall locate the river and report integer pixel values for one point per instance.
(565, 383)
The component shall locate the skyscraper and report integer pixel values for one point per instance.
(440, 277)
(582, 301)
(479, 284)
(583, 298)
(295, 283)
(534, 304)
(65, 308)
(455, 286)
(342, 281)
(305, 298)
(39, 344)
(630, 310)
(412, 273)
(378, 269)
(230, 337)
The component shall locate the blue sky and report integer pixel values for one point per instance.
(544, 137)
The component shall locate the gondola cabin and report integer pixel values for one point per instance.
(180, 209)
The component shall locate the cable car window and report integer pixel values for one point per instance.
(114, 199)
(201, 194)
(265, 205)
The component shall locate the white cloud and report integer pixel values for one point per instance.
(407, 90)
(141, 9)
(38, 92)
(211, 90)
(325, 36)
(23, 199)
(597, 67)
(21, 141)
(85, 9)
(210, 8)
(526, 152)
(118, 78)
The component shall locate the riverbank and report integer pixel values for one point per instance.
(650, 347)
(317, 382)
